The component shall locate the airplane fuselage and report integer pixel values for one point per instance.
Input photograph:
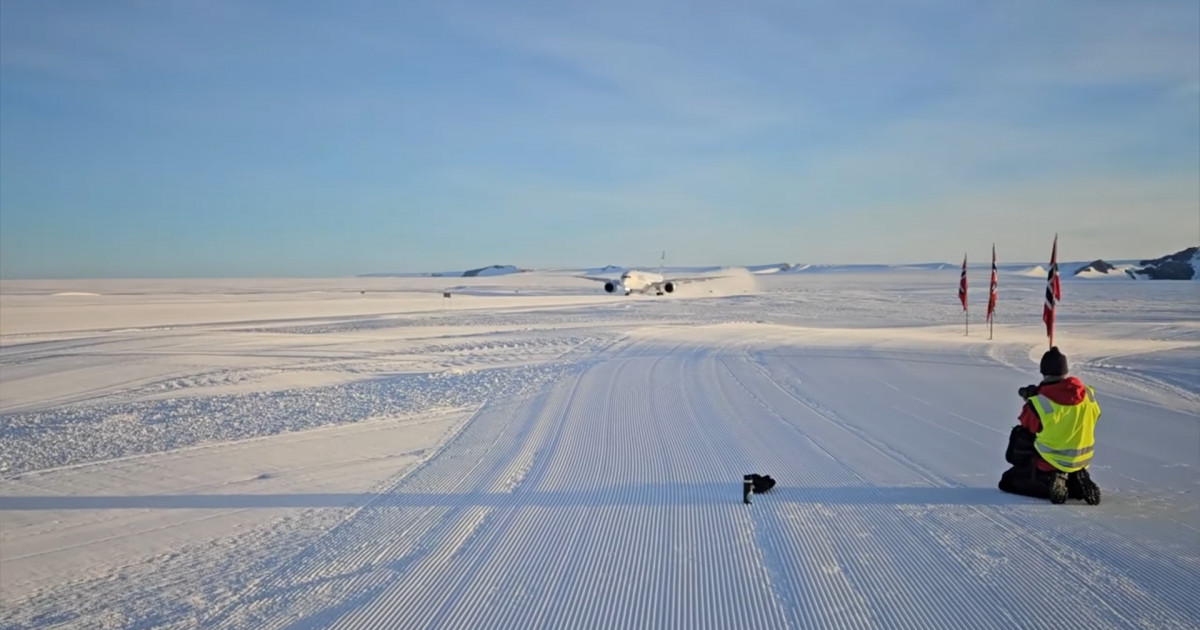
(648, 282)
(634, 281)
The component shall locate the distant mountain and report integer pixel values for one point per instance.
(1098, 266)
(925, 267)
(1037, 271)
(867, 268)
(493, 270)
(609, 269)
(1182, 265)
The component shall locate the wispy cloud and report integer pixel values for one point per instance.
(818, 131)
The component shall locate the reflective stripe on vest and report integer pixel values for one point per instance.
(1067, 438)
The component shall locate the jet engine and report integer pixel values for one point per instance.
(669, 287)
(610, 287)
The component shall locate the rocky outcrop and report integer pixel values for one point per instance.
(1097, 266)
(1178, 266)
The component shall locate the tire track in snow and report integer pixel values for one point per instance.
(433, 578)
(449, 581)
(832, 417)
(479, 591)
(350, 558)
(846, 605)
(506, 548)
(1130, 563)
(838, 598)
(719, 460)
(614, 501)
(621, 574)
(914, 607)
(1063, 559)
(760, 539)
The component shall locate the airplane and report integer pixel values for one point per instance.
(646, 282)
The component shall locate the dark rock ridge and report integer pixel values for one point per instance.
(1095, 265)
(1177, 266)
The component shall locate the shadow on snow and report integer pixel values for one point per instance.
(641, 495)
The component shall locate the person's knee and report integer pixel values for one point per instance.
(1023, 480)
(1008, 480)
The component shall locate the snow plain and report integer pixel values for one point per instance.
(533, 453)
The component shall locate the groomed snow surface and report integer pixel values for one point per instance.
(533, 453)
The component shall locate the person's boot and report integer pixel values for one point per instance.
(1088, 489)
(1058, 487)
(1006, 481)
(1075, 485)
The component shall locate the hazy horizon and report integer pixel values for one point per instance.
(1067, 267)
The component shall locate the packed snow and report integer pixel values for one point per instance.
(531, 452)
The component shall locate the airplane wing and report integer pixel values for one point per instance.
(690, 279)
(661, 286)
(668, 285)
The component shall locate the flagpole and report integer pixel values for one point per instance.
(1053, 292)
(1054, 272)
(991, 308)
(962, 296)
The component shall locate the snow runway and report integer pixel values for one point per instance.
(614, 501)
(607, 495)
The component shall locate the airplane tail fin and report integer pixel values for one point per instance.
(662, 263)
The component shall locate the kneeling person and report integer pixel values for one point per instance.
(1052, 446)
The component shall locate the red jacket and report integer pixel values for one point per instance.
(1069, 391)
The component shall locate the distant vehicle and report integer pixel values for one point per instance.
(646, 282)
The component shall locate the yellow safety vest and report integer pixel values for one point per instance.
(1068, 435)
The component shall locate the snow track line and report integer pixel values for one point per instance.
(764, 527)
(847, 607)
(483, 540)
(611, 499)
(582, 528)
(1068, 559)
(457, 525)
(829, 607)
(216, 619)
(770, 607)
(1146, 385)
(902, 613)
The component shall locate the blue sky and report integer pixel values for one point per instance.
(227, 138)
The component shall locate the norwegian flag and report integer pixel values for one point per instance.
(992, 290)
(1053, 292)
(962, 284)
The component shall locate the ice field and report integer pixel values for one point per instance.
(534, 453)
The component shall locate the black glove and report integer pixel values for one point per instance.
(1027, 392)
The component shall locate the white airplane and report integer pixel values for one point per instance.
(646, 282)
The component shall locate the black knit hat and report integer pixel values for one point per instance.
(1054, 363)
